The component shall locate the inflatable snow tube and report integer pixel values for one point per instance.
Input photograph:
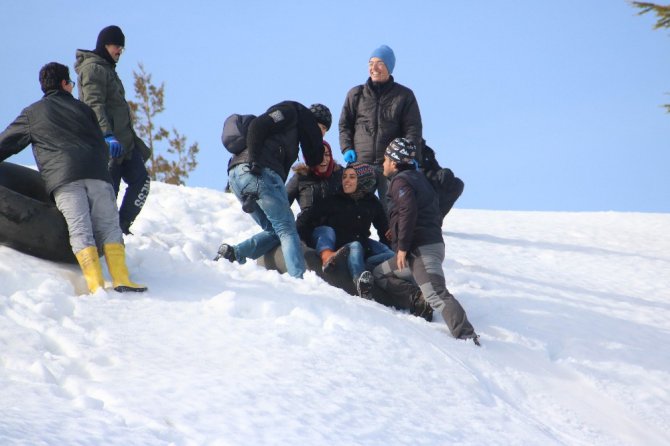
(29, 219)
(339, 277)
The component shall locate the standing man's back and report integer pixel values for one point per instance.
(101, 89)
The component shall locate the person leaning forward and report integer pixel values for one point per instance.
(416, 235)
(72, 157)
(100, 87)
(265, 147)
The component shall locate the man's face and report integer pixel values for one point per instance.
(378, 70)
(389, 167)
(114, 51)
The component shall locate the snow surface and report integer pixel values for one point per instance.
(573, 310)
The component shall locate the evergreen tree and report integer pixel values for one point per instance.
(663, 19)
(150, 103)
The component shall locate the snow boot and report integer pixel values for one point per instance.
(90, 265)
(227, 252)
(115, 255)
(419, 307)
(364, 285)
(334, 257)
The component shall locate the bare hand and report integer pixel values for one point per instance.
(401, 259)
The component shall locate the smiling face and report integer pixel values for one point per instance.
(349, 181)
(323, 167)
(378, 70)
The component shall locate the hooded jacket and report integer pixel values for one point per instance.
(67, 142)
(373, 115)
(100, 88)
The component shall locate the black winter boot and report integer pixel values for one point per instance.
(419, 307)
(364, 285)
(227, 252)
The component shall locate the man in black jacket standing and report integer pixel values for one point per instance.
(72, 157)
(268, 146)
(377, 112)
(416, 234)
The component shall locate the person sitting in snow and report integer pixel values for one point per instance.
(310, 185)
(257, 172)
(416, 234)
(339, 227)
(72, 157)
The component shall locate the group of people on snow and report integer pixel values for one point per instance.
(83, 148)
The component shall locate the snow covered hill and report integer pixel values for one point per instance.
(573, 310)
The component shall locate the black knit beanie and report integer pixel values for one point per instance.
(111, 35)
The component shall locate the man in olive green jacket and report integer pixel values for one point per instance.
(101, 89)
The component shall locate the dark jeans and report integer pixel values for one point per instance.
(135, 175)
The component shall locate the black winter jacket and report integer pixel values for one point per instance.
(308, 188)
(272, 139)
(373, 115)
(68, 144)
(414, 214)
(351, 219)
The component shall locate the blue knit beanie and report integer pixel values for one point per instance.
(385, 53)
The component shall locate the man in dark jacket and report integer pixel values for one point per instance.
(377, 112)
(268, 146)
(72, 156)
(416, 234)
(101, 89)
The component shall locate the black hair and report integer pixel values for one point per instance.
(52, 75)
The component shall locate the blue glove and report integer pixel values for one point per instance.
(350, 156)
(115, 147)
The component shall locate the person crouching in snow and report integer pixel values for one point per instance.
(339, 227)
(72, 156)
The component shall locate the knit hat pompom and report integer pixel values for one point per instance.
(401, 150)
(385, 53)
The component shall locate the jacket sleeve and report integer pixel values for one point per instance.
(93, 92)
(15, 137)
(276, 119)
(405, 203)
(411, 123)
(347, 122)
(309, 219)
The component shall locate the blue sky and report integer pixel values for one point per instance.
(535, 105)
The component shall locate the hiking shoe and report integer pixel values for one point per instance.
(364, 285)
(339, 255)
(227, 252)
(419, 307)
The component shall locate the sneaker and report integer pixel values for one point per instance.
(420, 308)
(227, 252)
(364, 285)
(340, 254)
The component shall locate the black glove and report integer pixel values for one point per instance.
(255, 168)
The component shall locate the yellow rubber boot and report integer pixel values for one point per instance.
(115, 255)
(90, 265)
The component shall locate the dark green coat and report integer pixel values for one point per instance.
(101, 89)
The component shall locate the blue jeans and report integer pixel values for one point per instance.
(363, 256)
(272, 213)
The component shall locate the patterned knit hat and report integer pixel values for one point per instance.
(322, 114)
(365, 176)
(401, 150)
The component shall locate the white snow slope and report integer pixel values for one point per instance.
(573, 310)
